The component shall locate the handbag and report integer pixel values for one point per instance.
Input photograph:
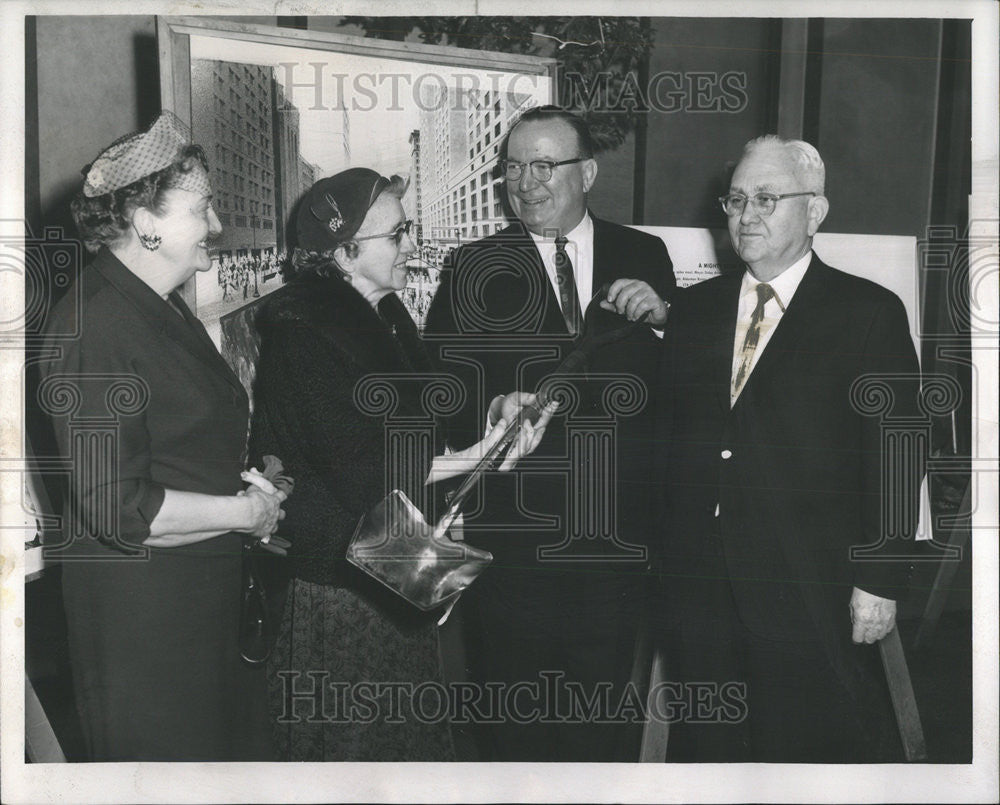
(264, 582)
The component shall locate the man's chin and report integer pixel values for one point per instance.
(539, 225)
(534, 213)
(746, 253)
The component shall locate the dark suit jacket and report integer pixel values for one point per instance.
(794, 466)
(495, 321)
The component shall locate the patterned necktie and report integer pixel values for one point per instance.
(764, 293)
(569, 301)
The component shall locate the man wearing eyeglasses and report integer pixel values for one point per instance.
(772, 473)
(509, 309)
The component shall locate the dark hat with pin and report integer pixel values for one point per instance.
(334, 208)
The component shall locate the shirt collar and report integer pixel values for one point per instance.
(583, 232)
(784, 285)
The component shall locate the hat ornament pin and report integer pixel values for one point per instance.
(335, 220)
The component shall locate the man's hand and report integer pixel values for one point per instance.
(634, 299)
(511, 404)
(507, 407)
(531, 433)
(873, 617)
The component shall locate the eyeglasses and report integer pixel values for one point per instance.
(763, 203)
(541, 169)
(396, 234)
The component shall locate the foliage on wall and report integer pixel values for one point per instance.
(598, 57)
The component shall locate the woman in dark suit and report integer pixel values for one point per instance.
(151, 558)
(359, 647)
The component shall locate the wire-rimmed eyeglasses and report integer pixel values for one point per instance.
(541, 169)
(763, 203)
(396, 234)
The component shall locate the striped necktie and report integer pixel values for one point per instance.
(764, 294)
(569, 300)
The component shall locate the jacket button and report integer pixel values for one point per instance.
(727, 453)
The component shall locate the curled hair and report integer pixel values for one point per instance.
(398, 185)
(542, 114)
(808, 163)
(103, 220)
(308, 262)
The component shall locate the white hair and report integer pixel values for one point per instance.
(808, 163)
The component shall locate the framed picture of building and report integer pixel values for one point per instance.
(276, 109)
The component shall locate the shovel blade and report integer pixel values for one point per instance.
(395, 545)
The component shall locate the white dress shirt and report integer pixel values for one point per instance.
(580, 250)
(784, 287)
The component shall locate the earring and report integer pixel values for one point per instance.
(150, 242)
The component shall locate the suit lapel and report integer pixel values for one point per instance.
(185, 329)
(552, 319)
(792, 327)
(606, 254)
(206, 346)
(721, 320)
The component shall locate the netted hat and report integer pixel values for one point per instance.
(334, 208)
(134, 156)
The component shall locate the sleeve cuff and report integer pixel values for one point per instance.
(139, 510)
(493, 413)
(891, 580)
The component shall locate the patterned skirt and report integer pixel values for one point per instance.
(350, 680)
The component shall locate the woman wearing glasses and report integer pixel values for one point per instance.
(357, 650)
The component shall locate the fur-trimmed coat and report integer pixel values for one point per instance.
(336, 378)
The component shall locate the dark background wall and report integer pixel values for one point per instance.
(688, 153)
(875, 117)
(102, 85)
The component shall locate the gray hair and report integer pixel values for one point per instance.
(808, 163)
(398, 185)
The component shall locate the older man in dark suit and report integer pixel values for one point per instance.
(775, 476)
(554, 617)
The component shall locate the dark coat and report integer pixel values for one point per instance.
(183, 426)
(153, 641)
(345, 397)
(795, 467)
(319, 340)
(496, 323)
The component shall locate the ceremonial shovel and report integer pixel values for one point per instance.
(396, 546)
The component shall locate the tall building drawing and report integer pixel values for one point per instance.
(232, 114)
(286, 161)
(308, 174)
(460, 138)
(413, 201)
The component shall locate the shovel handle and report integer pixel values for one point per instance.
(574, 363)
(530, 413)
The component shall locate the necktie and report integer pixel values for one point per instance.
(569, 301)
(764, 293)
